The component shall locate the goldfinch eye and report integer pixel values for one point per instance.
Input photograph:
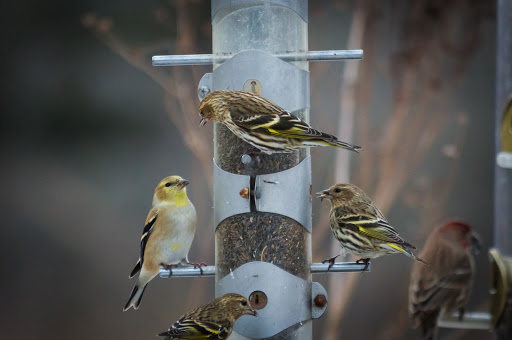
(167, 184)
(244, 303)
(337, 190)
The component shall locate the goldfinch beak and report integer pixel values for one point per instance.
(183, 183)
(323, 194)
(202, 122)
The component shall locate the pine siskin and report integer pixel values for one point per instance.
(360, 227)
(213, 321)
(262, 123)
(445, 284)
(167, 236)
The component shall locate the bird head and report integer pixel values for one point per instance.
(237, 304)
(461, 233)
(210, 107)
(340, 193)
(171, 189)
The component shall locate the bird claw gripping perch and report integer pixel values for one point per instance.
(331, 262)
(197, 265)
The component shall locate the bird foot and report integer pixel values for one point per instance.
(169, 267)
(198, 265)
(331, 262)
(365, 261)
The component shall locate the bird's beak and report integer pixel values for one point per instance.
(323, 194)
(475, 243)
(202, 122)
(251, 312)
(183, 183)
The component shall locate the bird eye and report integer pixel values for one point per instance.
(337, 190)
(243, 302)
(167, 184)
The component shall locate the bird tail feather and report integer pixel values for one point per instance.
(341, 144)
(135, 297)
(406, 252)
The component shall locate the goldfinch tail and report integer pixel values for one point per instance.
(135, 297)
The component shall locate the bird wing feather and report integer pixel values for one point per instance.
(196, 329)
(282, 124)
(372, 226)
(146, 233)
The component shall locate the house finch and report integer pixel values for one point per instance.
(360, 227)
(445, 284)
(213, 321)
(167, 236)
(262, 123)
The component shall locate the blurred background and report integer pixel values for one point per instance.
(89, 127)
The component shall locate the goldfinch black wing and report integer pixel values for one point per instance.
(370, 225)
(148, 228)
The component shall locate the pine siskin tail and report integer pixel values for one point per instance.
(347, 146)
(340, 144)
(403, 249)
(135, 297)
(165, 335)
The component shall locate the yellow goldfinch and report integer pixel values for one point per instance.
(167, 236)
(263, 124)
(360, 227)
(213, 321)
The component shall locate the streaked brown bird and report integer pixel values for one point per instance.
(263, 124)
(360, 227)
(214, 320)
(445, 285)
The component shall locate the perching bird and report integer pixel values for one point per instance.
(445, 285)
(212, 321)
(263, 124)
(167, 235)
(360, 227)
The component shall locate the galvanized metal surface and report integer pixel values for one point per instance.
(205, 85)
(271, 72)
(471, 320)
(227, 200)
(208, 59)
(316, 290)
(316, 268)
(287, 193)
(299, 6)
(502, 175)
(289, 298)
(208, 271)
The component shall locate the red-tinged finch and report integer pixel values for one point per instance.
(445, 285)
(263, 124)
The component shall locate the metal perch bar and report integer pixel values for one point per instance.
(208, 59)
(471, 320)
(316, 268)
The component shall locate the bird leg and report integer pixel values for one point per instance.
(462, 311)
(365, 261)
(169, 266)
(331, 262)
(198, 265)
